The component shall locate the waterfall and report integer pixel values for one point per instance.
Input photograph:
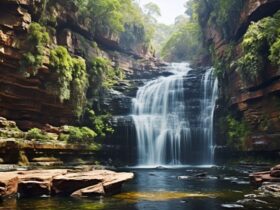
(165, 125)
(206, 118)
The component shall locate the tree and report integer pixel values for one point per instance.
(152, 11)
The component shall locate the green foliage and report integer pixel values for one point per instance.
(162, 33)
(237, 132)
(260, 41)
(222, 13)
(102, 74)
(120, 17)
(224, 62)
(36, 134)
(61, 63)
(79, 85)
(78, 135)
(184, 43)
(72, 78)
(152, 9)
(37, 39)
(274, 56)
(105, 15)
(99, 123)
(139, 27)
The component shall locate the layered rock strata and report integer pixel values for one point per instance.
(62, 182)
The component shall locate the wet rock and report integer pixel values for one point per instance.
(271, 189)
(241, 182)
(202, 177)
(232, 206)
(250, 196)
(251, 201)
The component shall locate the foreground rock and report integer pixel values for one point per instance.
(267, 176)
(271, 189)
(8, 184)
(62, 182)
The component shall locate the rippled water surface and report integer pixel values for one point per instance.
(161, 189)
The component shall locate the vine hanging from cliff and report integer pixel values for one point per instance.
(37, 40)
(71, 78)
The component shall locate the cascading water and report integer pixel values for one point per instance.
(170, 128)
(210, 94)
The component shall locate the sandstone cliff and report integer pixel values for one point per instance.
(26, 100)
(257, 103)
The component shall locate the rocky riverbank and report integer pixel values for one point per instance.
(42, 148)
(38, 183)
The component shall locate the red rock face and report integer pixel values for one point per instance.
(258, 102)
(22, 99)
(26, 100)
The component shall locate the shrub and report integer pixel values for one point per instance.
(36, 134)
(237, 132)
(99, 123)
(82, 135)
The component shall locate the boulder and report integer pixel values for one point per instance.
(267, 176)
(8, 184)
(271, 189)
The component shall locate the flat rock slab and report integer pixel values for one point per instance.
(37, 182)
(87, 182)
(61, 182)
(267, 176)
(110, 185)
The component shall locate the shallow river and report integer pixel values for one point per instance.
(162, 189)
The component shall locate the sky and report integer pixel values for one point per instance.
(170, 9)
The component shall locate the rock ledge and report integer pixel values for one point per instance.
(62, 182)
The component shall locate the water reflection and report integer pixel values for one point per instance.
(156, 190)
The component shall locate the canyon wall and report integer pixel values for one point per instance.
(26, 100)
(257, 104)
